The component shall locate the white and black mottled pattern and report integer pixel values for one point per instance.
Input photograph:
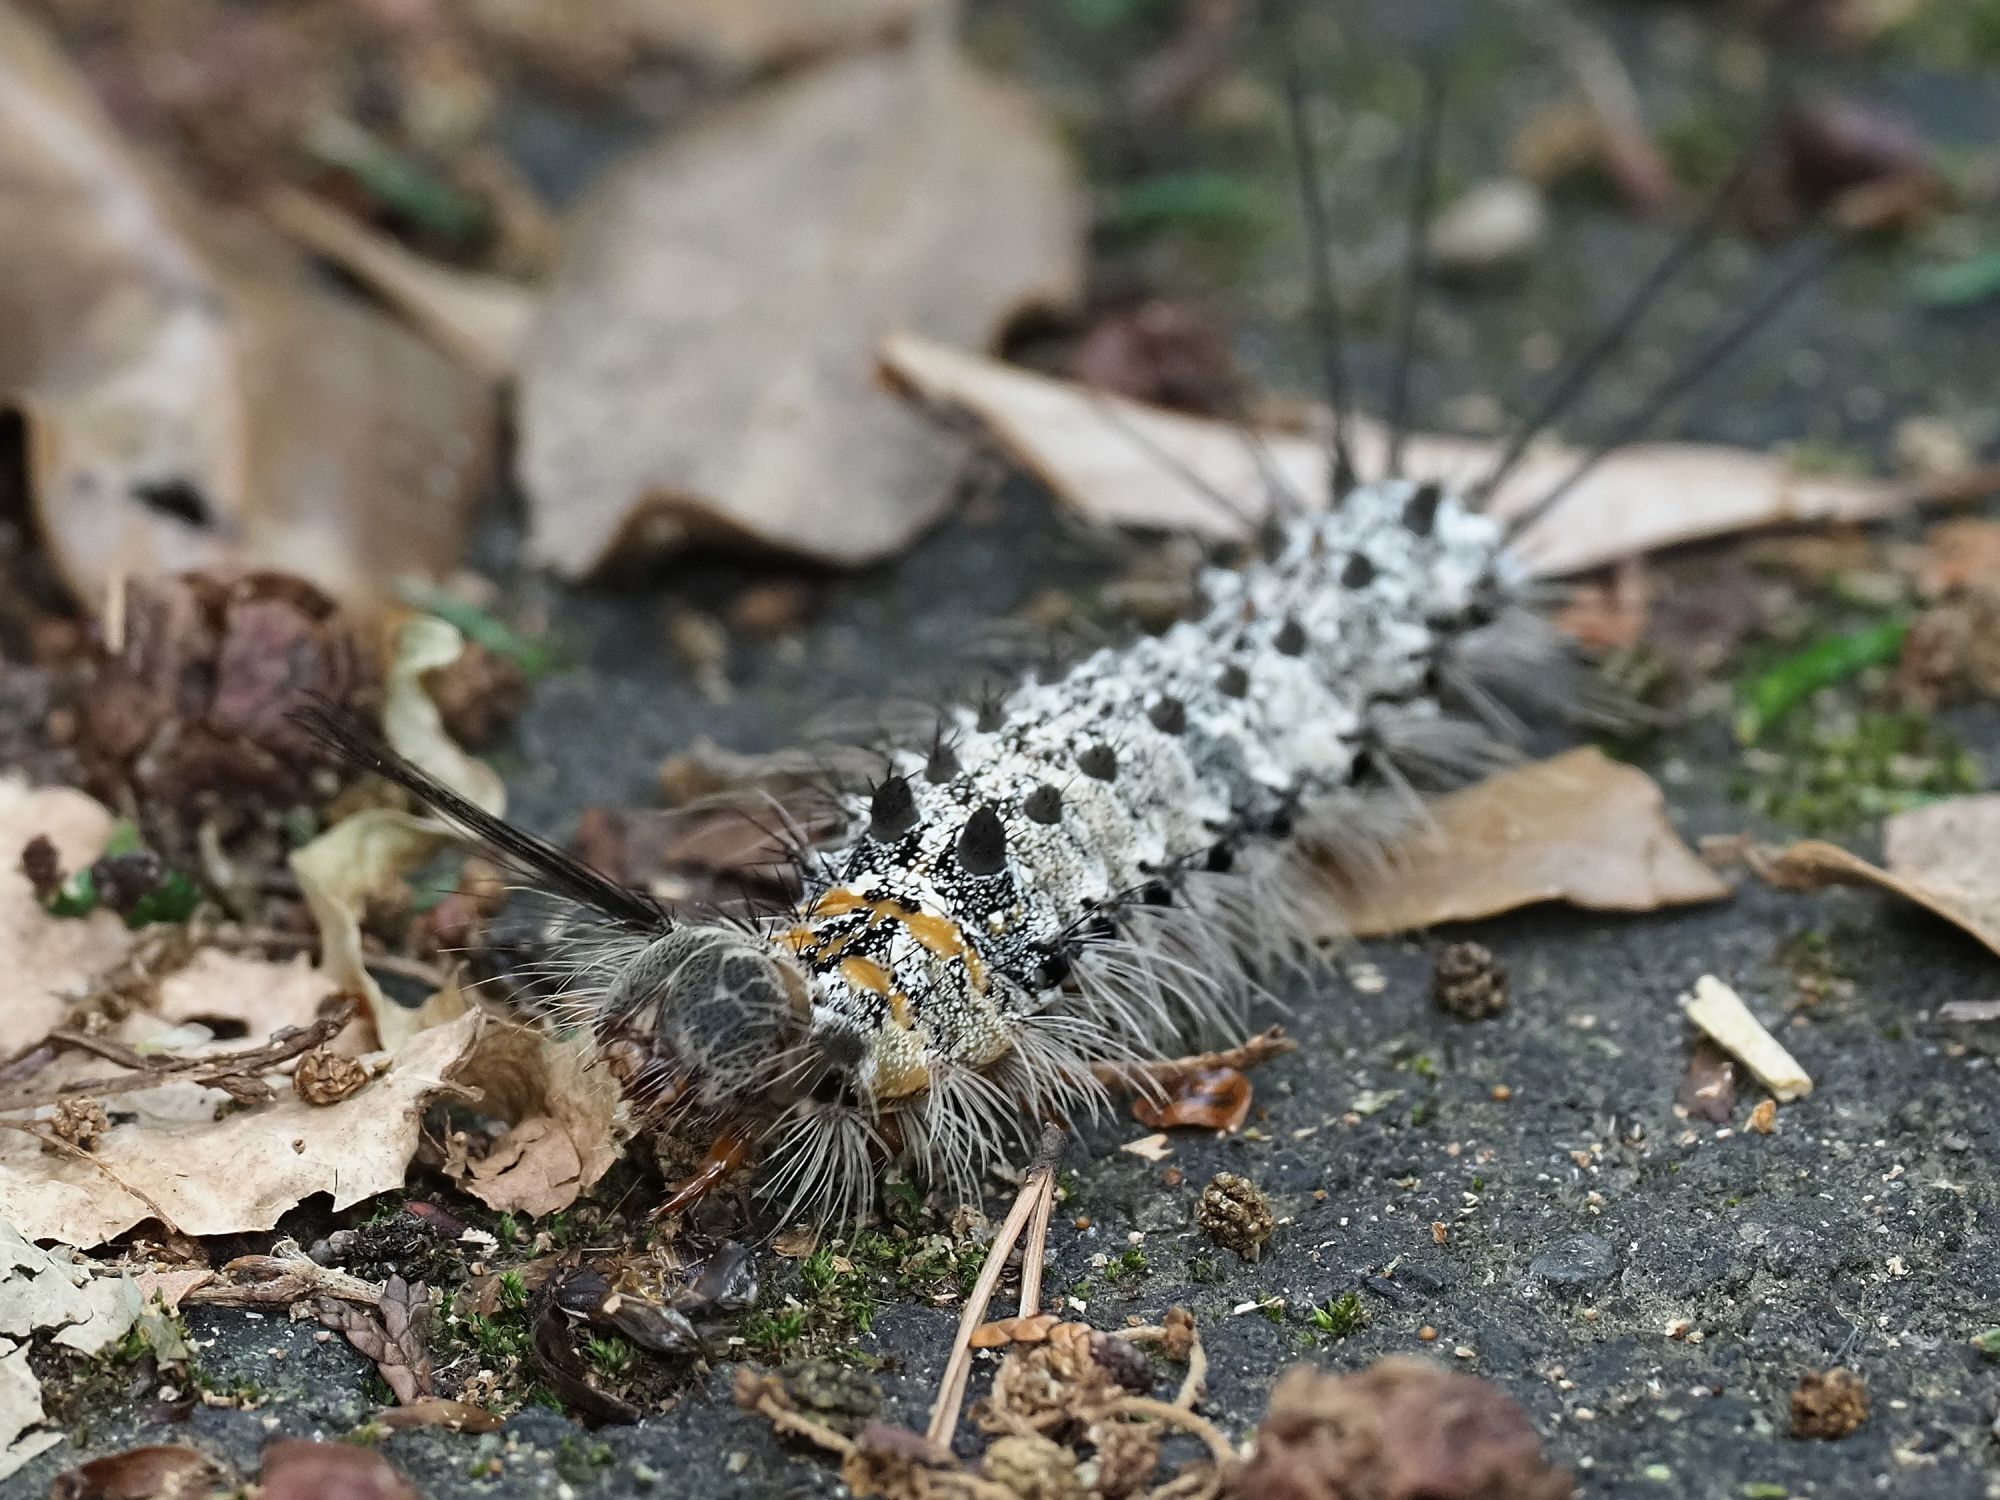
(1074, 875)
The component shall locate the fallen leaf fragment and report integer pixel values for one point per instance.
(218, 988)
(569, 1120)
(437, 1411)
(1969, 1010)
(1721, 1014)
(701, 371)
(742, 36)
(1579, 828)
(158, 1471)
(192, 398)
(1149, 1147)
(1123, 464)
(1210, 1099)
(241, 1172)
(47, 957)
(1945, 857)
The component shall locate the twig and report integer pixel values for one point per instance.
(57, 1143)
(1167, 1073)
(286, 1275)
(1039, 1181)
(151, 1073)
(1035, 1249)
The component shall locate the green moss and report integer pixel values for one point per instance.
(1339, 1316)
(1835, 768)
(1127, 1267)
(1956, 37)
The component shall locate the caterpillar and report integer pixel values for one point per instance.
(1097, 866)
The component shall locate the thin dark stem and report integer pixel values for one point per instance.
(1319, 247)
(1691, 374)
(1611, 338)
(1423, 194)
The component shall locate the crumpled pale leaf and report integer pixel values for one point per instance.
(368, 854)
(1945, 857)
(569, 1120)
(1579, 828)
(1124, 464)
(242, 1172)
(259, 994)
(193, 399)
(44, 1290)
(45, 957)
(703, 365)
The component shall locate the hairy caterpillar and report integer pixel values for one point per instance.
(1091, 868)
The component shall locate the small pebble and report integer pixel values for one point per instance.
(1581, 1260)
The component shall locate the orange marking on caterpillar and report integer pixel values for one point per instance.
(726, 1153)
(944, 937)
(865, 974)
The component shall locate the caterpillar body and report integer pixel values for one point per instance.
(1090, 870)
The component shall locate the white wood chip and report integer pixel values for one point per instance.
(1720, 1012)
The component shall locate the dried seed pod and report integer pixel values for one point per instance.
(326, 1077)
(1233, 1212)
(80, 1122)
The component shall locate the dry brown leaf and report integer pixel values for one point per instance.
(1124, 464)
(45, 957)
(1945, 857)
(437, 1411)
(569, 1120)
(482, 321)
(1579, 828)
(391, 1334)
(192, 398)
(703, 363)
(242, 1172)
(742, 36)
(159, 1471)
(1960, 554)
(1208, 1099)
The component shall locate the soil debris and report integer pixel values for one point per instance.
(1828, 1404)
(1235, 1214)
(1467, 981)
(1402, 1429)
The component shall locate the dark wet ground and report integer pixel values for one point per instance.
(1650, 1289)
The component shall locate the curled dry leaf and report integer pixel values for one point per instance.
(241, 1172)
(222, 990)
(46, 957)
(703, 370)
(1578, 828)
(1945, 857)
(192, 398)
(1123, 464)
(391, 1334)
(1209, 1099)
(481, 320)
(568, 1116)
(437, 1411)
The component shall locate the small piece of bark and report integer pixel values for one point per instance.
(1720, 1013)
